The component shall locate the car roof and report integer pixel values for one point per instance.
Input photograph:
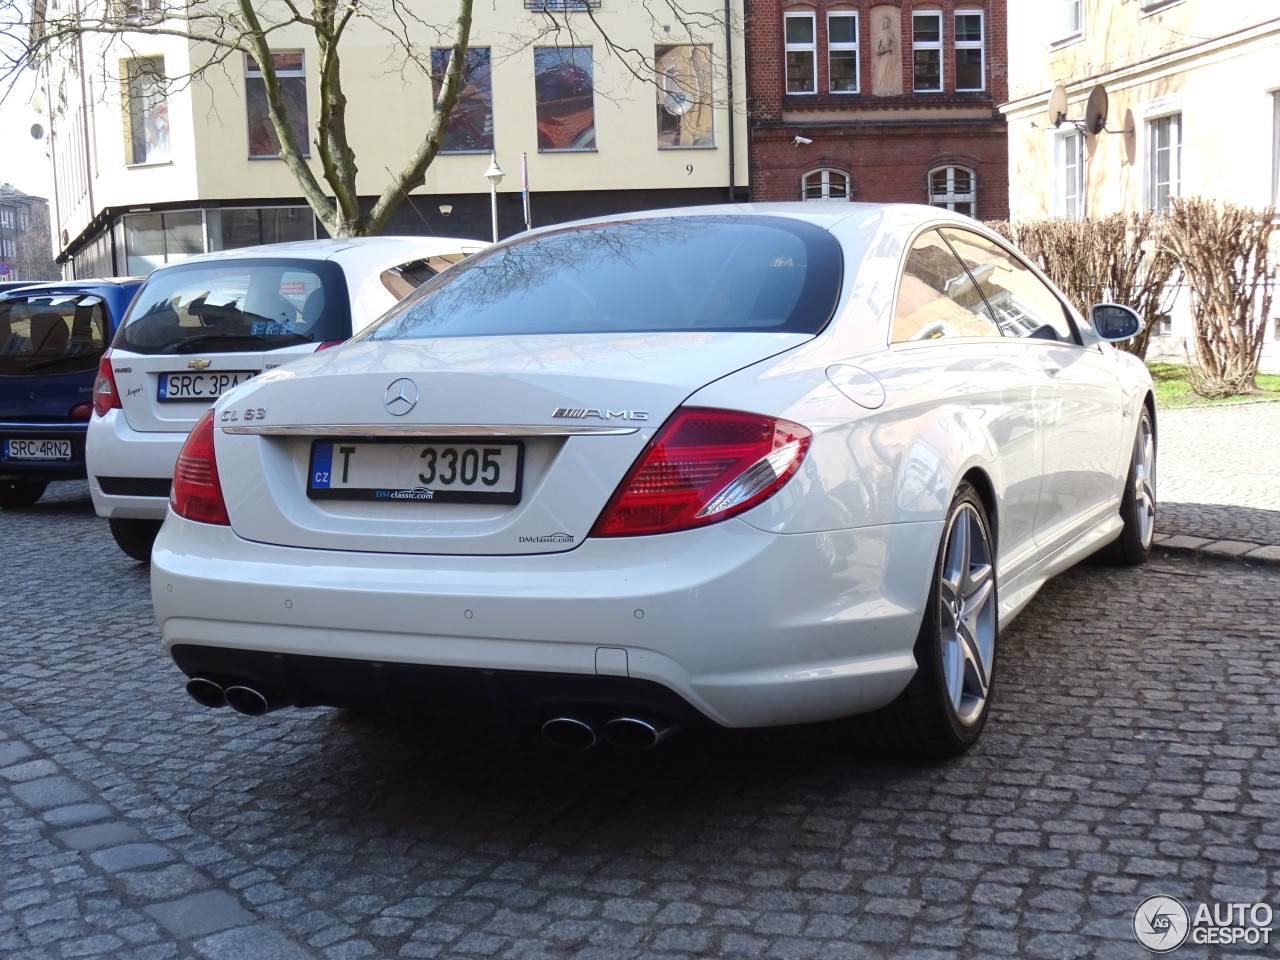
(826, 214)
(65, 286)
(340, 248)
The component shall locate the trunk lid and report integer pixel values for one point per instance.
(570, 412)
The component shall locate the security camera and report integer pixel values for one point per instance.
(799, 140)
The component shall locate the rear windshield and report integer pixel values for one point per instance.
(237, 304)
(51, 333)
(705, 273)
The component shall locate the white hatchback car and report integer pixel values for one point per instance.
(741, 466)
(200, 326)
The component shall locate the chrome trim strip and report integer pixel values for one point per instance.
(424, 430)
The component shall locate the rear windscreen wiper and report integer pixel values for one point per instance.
(192, 344)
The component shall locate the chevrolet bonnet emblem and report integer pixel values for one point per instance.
(199, 363)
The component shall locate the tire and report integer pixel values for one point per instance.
(18, 493)
(942, 711)
(135, 537)
(1138, 505)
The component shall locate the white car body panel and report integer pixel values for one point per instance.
(805, 607)
(142, 439)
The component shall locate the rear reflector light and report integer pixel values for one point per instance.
(105, 395)
(197, 492)
(701, 467)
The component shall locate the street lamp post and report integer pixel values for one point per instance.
(494, 176)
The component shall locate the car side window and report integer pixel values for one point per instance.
(408, 277)
(937, 297)
(1023, 305)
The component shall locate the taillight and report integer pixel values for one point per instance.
(703, 466)
(326, 344)
(197, 493)
(105, 395)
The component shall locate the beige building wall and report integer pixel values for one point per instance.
(1213, 65)
(1193, 94)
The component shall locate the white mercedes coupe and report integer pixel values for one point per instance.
(734, 466)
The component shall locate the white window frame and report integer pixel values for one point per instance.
(824, 175)
(980, 45)
(926, 45)
(1156, 121)
(844, 47)
(1072, 21)
(1068, 173)
(811, 48)
(953, 196)
(1275, 148)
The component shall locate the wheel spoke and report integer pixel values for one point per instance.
(966, 614)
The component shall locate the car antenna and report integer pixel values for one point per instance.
(400, 187)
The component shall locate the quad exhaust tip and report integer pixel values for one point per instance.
(206, 693)
(243, 699)
(625, 732)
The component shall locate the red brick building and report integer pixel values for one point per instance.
(884, 100)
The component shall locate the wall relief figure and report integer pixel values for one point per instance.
(886, 44)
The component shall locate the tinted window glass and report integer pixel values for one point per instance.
(228, 305)
(51, 334)
(682, 273)
(938, 297)
(1023, 305)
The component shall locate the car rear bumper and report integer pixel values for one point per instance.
(743, 627)
(44, 469)
(129, 472)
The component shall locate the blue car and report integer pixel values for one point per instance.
(52, 336)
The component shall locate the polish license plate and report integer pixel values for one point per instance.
(426, 471)
(25, 448)
(206, 386)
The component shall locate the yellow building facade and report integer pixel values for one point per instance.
(150, 166)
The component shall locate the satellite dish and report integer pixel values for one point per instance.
(680, 83)
(1058, 105)
(37, 132)
(38, 103)
(1095, 110)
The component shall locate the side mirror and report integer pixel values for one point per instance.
(1114, 321)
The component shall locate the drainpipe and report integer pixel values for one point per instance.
(728, 61)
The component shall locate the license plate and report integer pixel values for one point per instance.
(16, 448)
(200, 386)
(426, 471)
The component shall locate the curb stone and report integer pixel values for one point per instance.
(1220, 549)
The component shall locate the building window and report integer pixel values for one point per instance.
(926, 51)
(842, 52)
(9, 248)
(564, 87)
(683, 84)
(802, 56)
(469, 128)
(291, 73)
(6, 219)
(1073, 18)
(148, 110)
(1069, 174)
(1165, 163)
(1275, 150)
(155, 238)
(953, 188)
(825, 184)
(970, 72)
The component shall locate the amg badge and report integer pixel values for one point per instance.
(597, 413)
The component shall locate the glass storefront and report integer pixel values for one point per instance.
(143, 241)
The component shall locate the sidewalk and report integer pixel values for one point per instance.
(1218, 480)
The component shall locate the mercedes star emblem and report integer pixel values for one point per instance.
(401, 397)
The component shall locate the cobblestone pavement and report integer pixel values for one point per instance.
(1132, 751)
(1219, 472)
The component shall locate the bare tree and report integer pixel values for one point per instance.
(1115, 258)
(44, 31)
(1226, 254)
